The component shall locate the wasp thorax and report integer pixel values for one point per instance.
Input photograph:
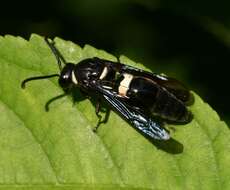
(66, 78)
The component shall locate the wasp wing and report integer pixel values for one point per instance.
(174, 86)
(135, 117)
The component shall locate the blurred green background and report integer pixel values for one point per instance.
(188, 40)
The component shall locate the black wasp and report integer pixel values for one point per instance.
(142, 98)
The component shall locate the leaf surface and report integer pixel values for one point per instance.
(59, 150)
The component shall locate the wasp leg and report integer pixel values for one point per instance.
(97, 111)
(52, 100)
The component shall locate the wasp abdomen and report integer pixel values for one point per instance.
(157, 100)
(169, 107)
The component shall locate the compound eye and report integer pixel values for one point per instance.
(65, 81)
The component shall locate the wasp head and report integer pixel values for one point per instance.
(67, 78)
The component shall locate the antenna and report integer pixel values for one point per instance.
(57, 54)
(59, 59)
(23, 84)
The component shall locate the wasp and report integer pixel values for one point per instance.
(142, 98)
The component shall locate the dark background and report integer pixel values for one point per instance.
(188, 40)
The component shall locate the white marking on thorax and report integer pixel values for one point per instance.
(104, 73)
(124, 85)
(74, 80)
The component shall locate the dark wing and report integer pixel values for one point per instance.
(172, 85)
(135, 117)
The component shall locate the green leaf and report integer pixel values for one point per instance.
(58, 150)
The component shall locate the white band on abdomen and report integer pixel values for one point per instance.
(124, 85)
